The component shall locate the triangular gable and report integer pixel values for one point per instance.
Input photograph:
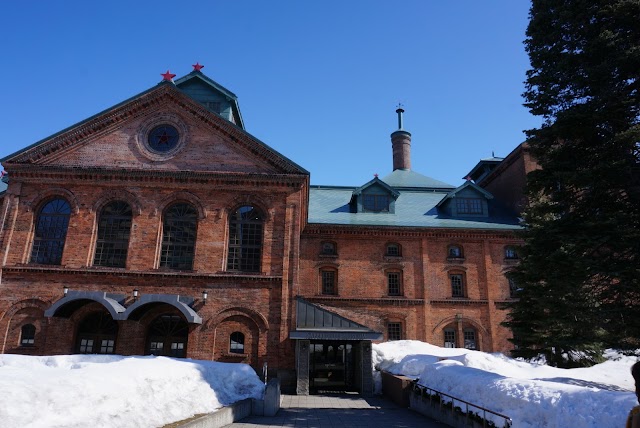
(374, 182)
(112, 119)
(466, 185)
(314, 322)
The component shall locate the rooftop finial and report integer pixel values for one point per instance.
(197, 66)
(400, 110)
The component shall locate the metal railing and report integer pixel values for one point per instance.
(265, 370)
(434, 394)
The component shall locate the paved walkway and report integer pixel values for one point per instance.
(344, 410)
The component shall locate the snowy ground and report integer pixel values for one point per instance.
(533, 395)
(114, 391)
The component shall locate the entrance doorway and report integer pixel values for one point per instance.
(331, 366)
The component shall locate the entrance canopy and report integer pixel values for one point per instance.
(316, 323)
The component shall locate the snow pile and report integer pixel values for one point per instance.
(116, 391)
(533, 395)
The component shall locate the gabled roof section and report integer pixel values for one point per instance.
(112, 118)
(378, 182)
(205, 90)
(466, 185)
(412, 180)
(314, 322)
(483, 168)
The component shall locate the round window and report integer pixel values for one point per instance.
(163, 138)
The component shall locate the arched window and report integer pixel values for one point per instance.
(510, 253)
(245, 240)
(114, 226)
(168, 336)
(470, 338)
(329, 280)
(393, 250)
(97, 334)
(458, 286)
(328, 249)
(179, 236)
(236, 343)
(394, 283)
(449, 337)
(455, 252)
(51, 231)
(28, 335)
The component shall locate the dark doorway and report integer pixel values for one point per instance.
(97, 334)
(331, 366)
(168, 336)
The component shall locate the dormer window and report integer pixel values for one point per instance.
(374, 197)
(469, 205)
(376, 202)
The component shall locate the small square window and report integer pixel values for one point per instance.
(510, 253)
(394, 331)
(236, 343)
(328, 249)
(455, 252)
(393, 250)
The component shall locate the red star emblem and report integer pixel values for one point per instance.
(375, 175)
(167, 76)
(197, 66)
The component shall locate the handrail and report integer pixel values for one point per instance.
(425, 389)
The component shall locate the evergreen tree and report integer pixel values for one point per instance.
(580, 269)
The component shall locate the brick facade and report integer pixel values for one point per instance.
(217, 169)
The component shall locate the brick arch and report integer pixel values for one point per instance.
(452, 320)
(46, 195)
(234, 320)
(258, 319)
(182, 196)
(117, 195)
(33, 311)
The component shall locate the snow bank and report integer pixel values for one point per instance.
(533, 395)
(109, 391)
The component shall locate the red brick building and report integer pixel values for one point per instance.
(160, 226)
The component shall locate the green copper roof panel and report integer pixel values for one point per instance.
(414, 208)
(401, 178)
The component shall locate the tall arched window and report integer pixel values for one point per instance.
(51, 231)
(179, 236)
(114, 226)
(245, 240)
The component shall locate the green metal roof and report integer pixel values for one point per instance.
(329, 205)
(404, 178)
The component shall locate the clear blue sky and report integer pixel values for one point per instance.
(318, 81)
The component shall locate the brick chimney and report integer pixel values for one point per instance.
(401, 145)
